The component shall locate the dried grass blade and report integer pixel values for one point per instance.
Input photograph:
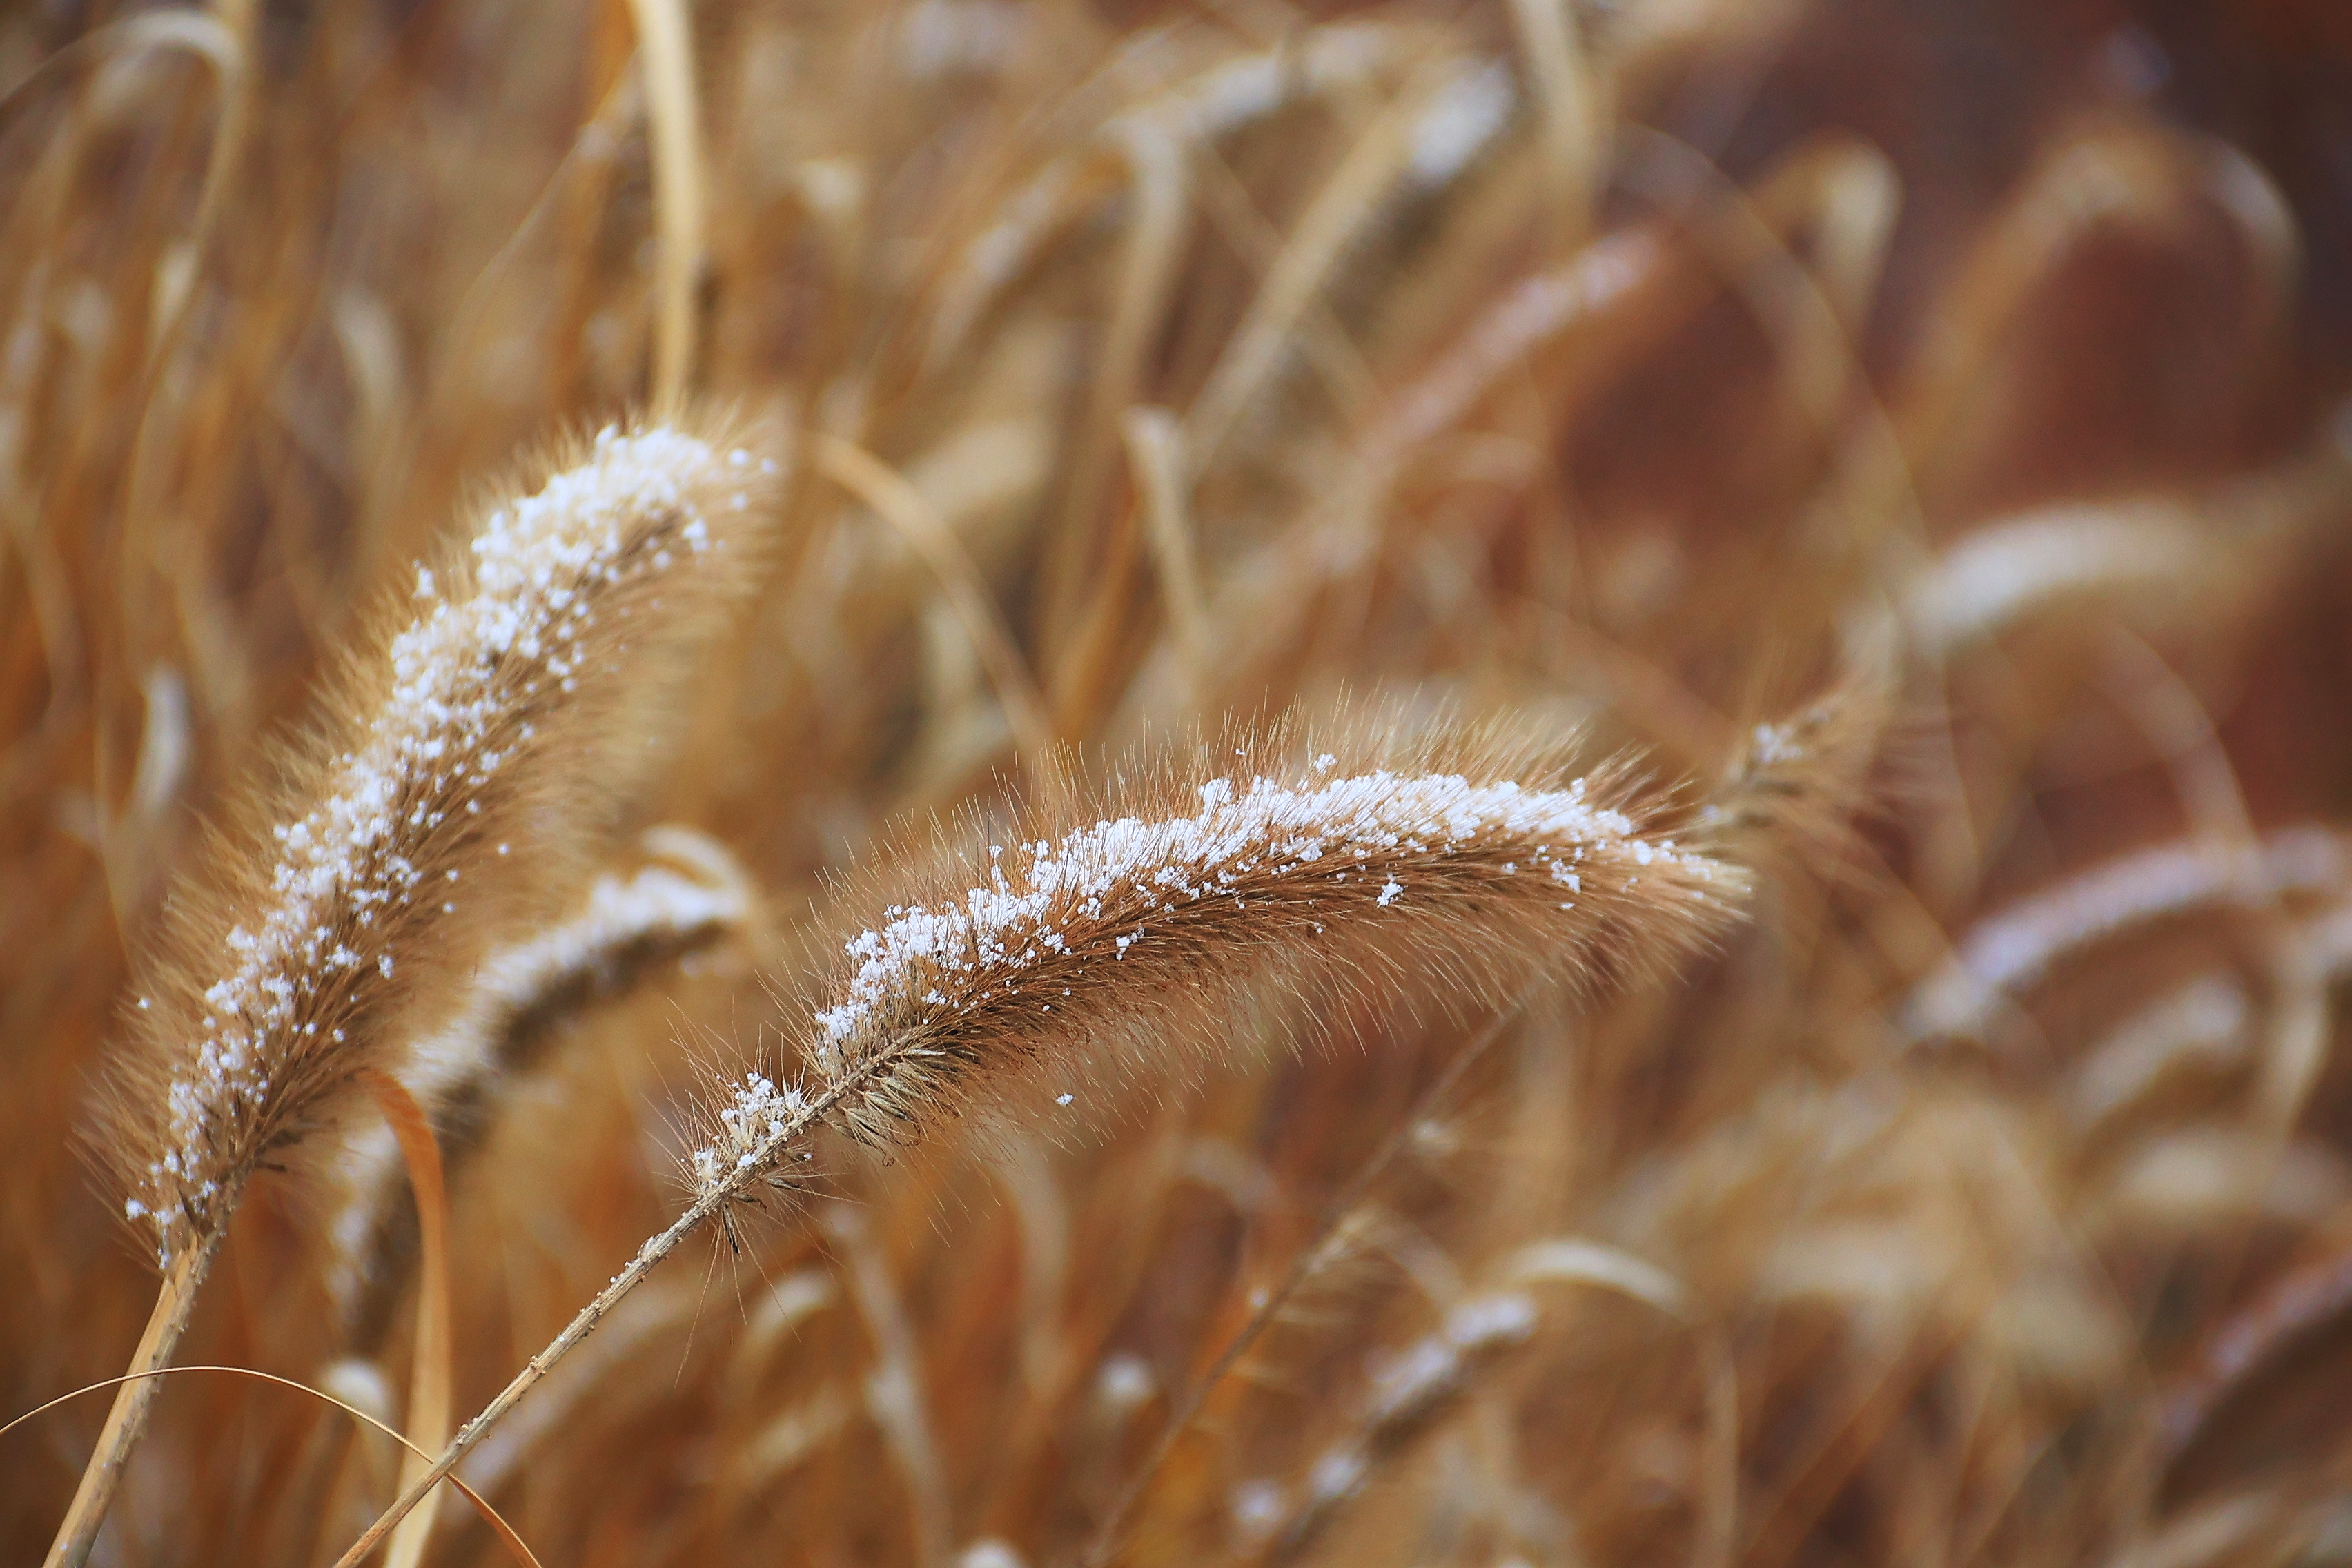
(902, 506)
(1084, 553)
(1572, 103)
(1155, 450)
(428, 1385)
(666, 46)
(1349, 202)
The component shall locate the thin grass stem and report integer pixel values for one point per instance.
(133, 1396)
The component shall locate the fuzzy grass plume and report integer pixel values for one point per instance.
(1076, 954)
(492, 721)
(469, 755)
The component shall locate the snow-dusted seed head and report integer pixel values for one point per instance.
(691, 896)
(1433, 873)
(1794, 785)
(1405, 1388)
(473, 751)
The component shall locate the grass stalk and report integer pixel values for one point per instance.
(127, 1418)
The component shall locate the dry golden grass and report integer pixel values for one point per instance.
(1911, 434)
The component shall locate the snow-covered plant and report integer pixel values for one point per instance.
(468, 756)
(475, 745)
(1024, 975)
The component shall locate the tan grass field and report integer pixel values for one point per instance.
(1529, 782)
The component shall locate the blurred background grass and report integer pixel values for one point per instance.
(1643, 365)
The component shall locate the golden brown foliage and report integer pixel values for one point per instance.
(1648, 371)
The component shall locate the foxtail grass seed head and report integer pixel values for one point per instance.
(1406, 1388)
(1135, 939)
(467, 752)
(628, 924)
(1793, 786)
